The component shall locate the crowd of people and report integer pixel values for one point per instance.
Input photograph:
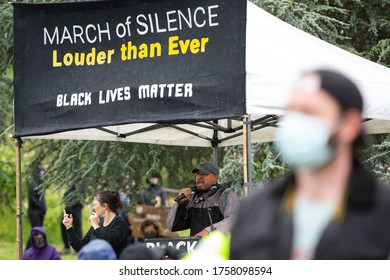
(329, 207)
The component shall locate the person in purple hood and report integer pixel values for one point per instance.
(40, 248)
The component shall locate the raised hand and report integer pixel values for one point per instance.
(68, 220)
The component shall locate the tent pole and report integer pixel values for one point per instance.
(19, 226)
(18, 186)
(214, 143)
(215, 155)
(247, 155)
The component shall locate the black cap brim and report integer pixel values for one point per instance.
(204, 171)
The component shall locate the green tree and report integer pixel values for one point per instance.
(7, 154)
(361, 27)
(377, 157)
(95, 165)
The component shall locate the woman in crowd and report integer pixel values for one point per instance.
(105, 223)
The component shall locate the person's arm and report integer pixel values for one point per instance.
(75, 241)
(177, 218)
(231, 208)
(116, 232)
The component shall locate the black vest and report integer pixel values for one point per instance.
(199, 218)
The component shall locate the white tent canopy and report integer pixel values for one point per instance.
(276, 53)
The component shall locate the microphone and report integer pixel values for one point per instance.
(203, 197)
(181, 196)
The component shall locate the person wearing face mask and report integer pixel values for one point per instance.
(154, 194)
(330, 207)
(206, 207)
(151, 228)
(36, 210)
(40, 249)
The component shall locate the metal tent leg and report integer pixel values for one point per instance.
(19, 220)
(247, 155)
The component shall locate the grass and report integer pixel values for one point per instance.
(51, 224)
(9, 249)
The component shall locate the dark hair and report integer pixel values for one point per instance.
(345, 92)
(112, 199)
(148, 222)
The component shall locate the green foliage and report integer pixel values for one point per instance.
(270, 165)
(319, 18)
(381, 52)
(377, 157)
(8, 250)
(7, 176)
(370, 29)
(90, 166)
(266, 166)
(6, 37)
(232, 173)
(361, 27)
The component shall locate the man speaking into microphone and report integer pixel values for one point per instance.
(205, 207)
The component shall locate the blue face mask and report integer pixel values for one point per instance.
(303, 140)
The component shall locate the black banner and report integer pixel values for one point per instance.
(182, 244)
(91, 64)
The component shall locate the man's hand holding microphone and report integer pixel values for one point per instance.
(185, 194)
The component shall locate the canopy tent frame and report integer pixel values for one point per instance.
(262, 122)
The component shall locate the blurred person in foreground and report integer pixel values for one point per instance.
(206, 202)
(97, 249)
(139, 251)
(105, 223)
(331, 207)
(40, 248)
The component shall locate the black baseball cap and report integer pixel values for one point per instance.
(207, 168)
(341, 88)
(347, 94)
